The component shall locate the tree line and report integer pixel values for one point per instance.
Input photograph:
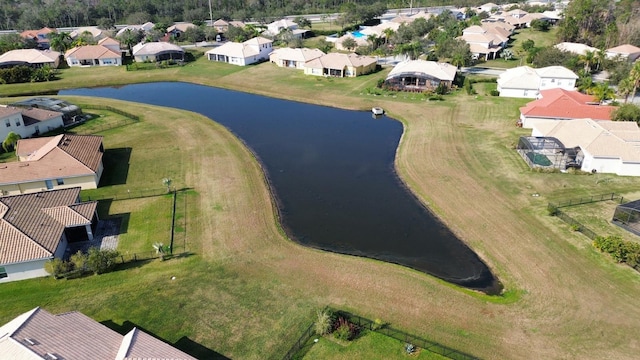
(35, 14)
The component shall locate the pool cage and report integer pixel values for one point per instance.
(548, 152)
(627, 216)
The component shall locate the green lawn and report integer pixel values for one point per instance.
(540, 38)
(369, 345)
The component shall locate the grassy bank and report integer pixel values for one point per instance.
(247, 292)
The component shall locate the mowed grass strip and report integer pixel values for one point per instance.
(458, 158)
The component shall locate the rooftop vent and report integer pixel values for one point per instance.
(29, 341)
(50, 356)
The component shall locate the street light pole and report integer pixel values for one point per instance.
(210, 14)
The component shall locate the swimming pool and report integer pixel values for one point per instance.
(357, 34)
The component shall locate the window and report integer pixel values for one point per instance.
(3, 272)
(17, 122)
(7, 122)
(49, 184)
(60, 181)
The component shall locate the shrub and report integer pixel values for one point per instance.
(345, 330)
(552, 210)
(494, 92)
(79, 261)
(56, 267)
(442, 89)
(323, 323)
(377, 324)
(575, 227)
(380, 83)
(101, 261)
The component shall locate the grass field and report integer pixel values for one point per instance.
(247, 292)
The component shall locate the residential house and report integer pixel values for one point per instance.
(93, 55)
(51, 163)
(627, 52)
(41, 37)
(157, 51)
(484, 42)
(488, 8)
(69, 111)
(95, 32)
(604, 146)
(561, 104)
(294, 58)
(176, 30)
(38, 334)
(575, 48)
(37, 227)
(277, 26)
(242, 54)
(379, 30)
(146, 27)
(420, 75)
(527, 82)
(30, 57)
(359, 40)
(111, 44)
(340, 65)
(28, 122)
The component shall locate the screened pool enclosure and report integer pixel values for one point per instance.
(628, 216)
(548, 152)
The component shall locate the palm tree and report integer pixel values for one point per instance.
(601, 55)
(625, 86)
(388, 33)
(374, 40)
(10, 141)
(60, 41)
(411, 50)
(603, 92)
(587, 59)
(634, 77)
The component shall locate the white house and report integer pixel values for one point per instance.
(157, 51)
(28, 122)
(575, 48)
(93, 55)
(294, 58)
(606, 146)
(526, 82)
(242, 54)
(627, 52)
(277, 26)
(37, 227)
(30, 57)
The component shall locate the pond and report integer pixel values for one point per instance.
(332, 174)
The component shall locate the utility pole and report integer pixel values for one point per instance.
(210, 14)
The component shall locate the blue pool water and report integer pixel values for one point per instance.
(357, 34)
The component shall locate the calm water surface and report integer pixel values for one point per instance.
(332, 174)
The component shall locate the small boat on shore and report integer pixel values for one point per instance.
(377, 111)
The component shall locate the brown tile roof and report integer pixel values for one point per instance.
(563, 104)
(340, 61)
(34, 115)
(90, 52)
(108, 41)
(62, 156)
(85, 209)
(8, 111)
(76, 336)
(33, 223)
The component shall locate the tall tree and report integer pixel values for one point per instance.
(634, 77)
(10, 141)
(60, 41)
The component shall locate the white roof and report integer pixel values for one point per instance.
(148, 26)
(598, 138)
(299, 54)
(284, 23)
(153, 48)
(31, 56)
(525, 77)
(93, 30)
(234, 49)
(442, 71)
(575, 48)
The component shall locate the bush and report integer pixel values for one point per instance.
(377, 324)
(552, 210)
(101, 261)
(79, 261)
(345, 330)
(621, 251)
(494, 92)
(323, 323)
(56, 267)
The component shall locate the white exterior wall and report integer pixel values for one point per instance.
(312, 71)
(629, 169)
(25, 270)
(111, 62)
(519, 93)
(27, 131)
(553, 83)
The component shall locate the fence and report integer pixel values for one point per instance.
(112, 109)
(576, 225)
(366, 324)
(587, 200)
(130, 194)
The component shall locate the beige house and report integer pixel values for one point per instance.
(30, 57)
(37, 227)
(38, 334)
(29, 121)
(420, 75)
(95, 32)
(93, 55)
(340, 65)
(294, 58)
(484, 42)
(50, 163)
(157, 51)
(627, 52)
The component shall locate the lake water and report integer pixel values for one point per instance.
(332, 174)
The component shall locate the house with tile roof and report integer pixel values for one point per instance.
(561, 104)
(111, 44)
(55, 162)
(294, 58)
(527, 82)
(93, 55)
(340, 65)
(249, 52)
(146, 27)
(575, 48)
(41, 37)
(484, 42)
(37, 227)
(603, 146)
(157, 51)
(28, 122)
(30, 57)
(93, 31)
(420, 75)
(627, 52)
(38, 334)
(176, 30)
